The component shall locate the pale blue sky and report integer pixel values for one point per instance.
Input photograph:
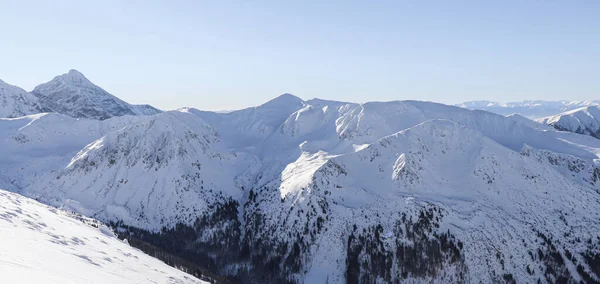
(231, 54)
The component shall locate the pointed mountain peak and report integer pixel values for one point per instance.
(285, 99)
(74, 73)
(288, 95)
(73, 76)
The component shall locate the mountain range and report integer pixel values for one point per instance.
(530, 109)
(319, 191)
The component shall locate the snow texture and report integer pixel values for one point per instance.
(41, 244)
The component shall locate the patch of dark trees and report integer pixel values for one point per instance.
(223, 255)
(418, 251)
(555, 262)
(186, 248)
(217, 248)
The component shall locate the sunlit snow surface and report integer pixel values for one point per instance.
(41, 244)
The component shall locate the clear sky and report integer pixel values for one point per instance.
(231, 54)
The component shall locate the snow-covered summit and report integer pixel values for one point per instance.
(74, 77)
(283, 100)
(74, 95)
(250, 126)
(15, 102)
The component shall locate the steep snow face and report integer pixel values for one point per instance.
(394, 198)
(440, 183)
(74, 95)
(583, 121)
(158, 171)
(529, 109)
(41, 244)
(15, 102)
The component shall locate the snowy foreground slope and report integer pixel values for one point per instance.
(41, 244)
(316, 191)
(584, 120)
(529, 109)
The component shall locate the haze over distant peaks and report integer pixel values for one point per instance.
(531, 109)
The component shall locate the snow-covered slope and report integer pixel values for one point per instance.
(468, 179)
(316, 191)
(584, 120)
(158, 171)
(433, 183)
(74, 95)
(39, 145)
(41, 244)
(529, 109)
(15, 102)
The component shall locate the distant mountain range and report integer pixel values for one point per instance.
(317, 191)
(529, 109)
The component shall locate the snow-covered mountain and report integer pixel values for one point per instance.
(74, 95)
(41, 244)
(529, 109)
(584, 120)
(15, 102)
(172, 163)
(319, 191)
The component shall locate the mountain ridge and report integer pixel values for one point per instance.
(290, 191)
(314, 190)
